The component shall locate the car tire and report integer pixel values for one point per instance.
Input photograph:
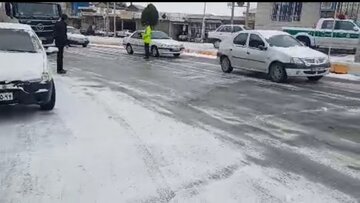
(84, 45)
(129, 49)
(176, 55)
(51, 104)
(314, 78)
(217, 44)
(226, 65)
(277, 73)
(155, 51)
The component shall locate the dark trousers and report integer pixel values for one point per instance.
(60, 56)
(147, 50)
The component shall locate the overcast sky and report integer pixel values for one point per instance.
(197, 8)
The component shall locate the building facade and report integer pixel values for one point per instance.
(274, 15)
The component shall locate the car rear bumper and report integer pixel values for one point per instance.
(28, 92)
(78, 42)
(308, 71)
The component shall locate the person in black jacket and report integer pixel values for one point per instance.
(61, 41)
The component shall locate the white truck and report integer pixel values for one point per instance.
(345, 35)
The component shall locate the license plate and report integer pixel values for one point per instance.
(42, 38)
(317, 69)
(7, 96)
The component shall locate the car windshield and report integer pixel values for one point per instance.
(357, 23)
(283, 41)
(16, 41)
(73, 30)
(36, 10)
(159, 35)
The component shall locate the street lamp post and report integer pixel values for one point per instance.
(203, 24)
(114, 19)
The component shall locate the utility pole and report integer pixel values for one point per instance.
(357, 54)
(203, 24)
(232, 12)
(247, 14)
(332, 31)
(107, 19)
(114, 19)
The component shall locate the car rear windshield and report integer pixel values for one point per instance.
(159, 35)
(16, 41)
(283, 41)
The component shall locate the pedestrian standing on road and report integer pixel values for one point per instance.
(60, 42)
(147, 40)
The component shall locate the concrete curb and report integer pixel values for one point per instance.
(345, 68)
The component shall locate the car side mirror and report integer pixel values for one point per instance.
(356, 28)
(262, 47)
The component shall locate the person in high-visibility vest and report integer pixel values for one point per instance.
(147, 41)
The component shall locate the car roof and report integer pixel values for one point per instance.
(16, 26)
(267, 33)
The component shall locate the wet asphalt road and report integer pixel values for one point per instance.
(311, 129)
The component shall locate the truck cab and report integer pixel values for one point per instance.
(41, 16)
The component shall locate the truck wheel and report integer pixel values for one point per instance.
(304, 40)
(277, 73)
(217, 44)
(226, 65)
(314, 78)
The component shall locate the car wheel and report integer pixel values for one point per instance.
(176, 55)
(129, 49)
(217, 44)
(314, 78)
(84, 45)
(226, 65)
(51, 104)
(155, 51)
(278, 73)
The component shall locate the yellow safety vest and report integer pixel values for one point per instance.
(147, 35)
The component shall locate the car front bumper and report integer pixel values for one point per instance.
(165, 51)
(307, 71)
(28, 92)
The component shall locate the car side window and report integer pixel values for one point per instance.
(136, 35)
(327, 24)
(226, 29)
(255, 41)
(344, 25)
(237, 29)
(241, 39)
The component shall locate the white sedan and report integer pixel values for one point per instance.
(273, 52)
(24, 74)
(75, 37)
(161, 44)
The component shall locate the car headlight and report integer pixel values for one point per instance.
(296, 60)
(45, 77)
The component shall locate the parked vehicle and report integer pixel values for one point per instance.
(75, 37)
(223, 32)
(161, 44)
(24, 74)
(345, 36)
(276, 53)
(40, 16)
(123, 33)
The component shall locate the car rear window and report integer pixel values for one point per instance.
(16, 40)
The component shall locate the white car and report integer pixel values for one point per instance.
(223, 32)
(161, 44)
(24, 74)
(75, 37)
(123, 33)
(274, 52)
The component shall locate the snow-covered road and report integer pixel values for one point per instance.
(179, 130)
